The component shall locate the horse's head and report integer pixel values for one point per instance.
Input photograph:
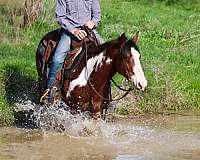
(129, 61)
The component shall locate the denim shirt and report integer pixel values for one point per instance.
(75, 13)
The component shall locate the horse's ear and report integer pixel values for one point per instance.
(122, 37)
(136, 37)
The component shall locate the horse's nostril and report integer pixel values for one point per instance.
(139, 85)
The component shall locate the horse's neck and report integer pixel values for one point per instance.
(99, 67)
(106, 55)
(105, 47)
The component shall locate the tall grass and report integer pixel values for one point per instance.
(169, 44)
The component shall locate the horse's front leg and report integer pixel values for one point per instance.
(97, 104)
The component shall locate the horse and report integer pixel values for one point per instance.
(86, 87)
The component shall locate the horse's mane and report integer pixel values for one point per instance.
(102, 47)
(115, 43)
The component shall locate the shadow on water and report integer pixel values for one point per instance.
(20, 89)
(19, 86)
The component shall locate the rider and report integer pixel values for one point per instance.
(71, 15)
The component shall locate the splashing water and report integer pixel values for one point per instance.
(58, 118)
(152, 138)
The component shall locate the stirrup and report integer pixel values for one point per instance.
(44, 96)
(49, 96)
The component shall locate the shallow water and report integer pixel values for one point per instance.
(173, 137)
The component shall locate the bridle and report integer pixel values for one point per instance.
(120, 88)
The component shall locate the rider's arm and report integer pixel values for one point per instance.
(61, 8)
(96, 12)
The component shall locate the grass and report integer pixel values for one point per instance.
(170, 48)
(169, 44)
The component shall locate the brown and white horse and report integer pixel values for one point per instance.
(86, 87)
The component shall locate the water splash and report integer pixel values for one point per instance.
(150, 139)
(58, 118)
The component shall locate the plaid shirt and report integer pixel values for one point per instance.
(75, 13)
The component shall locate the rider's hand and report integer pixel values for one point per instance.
(80, 34)
(90, 24)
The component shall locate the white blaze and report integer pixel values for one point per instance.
(138, 78)
(86, 72)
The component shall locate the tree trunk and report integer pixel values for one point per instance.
(32, 10)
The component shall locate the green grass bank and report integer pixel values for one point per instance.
(169, 44)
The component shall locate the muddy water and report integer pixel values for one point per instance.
(171, 137)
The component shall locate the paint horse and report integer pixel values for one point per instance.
(86, 87)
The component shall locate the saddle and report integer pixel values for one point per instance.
(73, 58)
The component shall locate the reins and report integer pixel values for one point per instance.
(110, 100)
(120, 88)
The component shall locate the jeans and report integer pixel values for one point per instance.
(61, 51)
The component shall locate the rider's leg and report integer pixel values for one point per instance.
(61, 51)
